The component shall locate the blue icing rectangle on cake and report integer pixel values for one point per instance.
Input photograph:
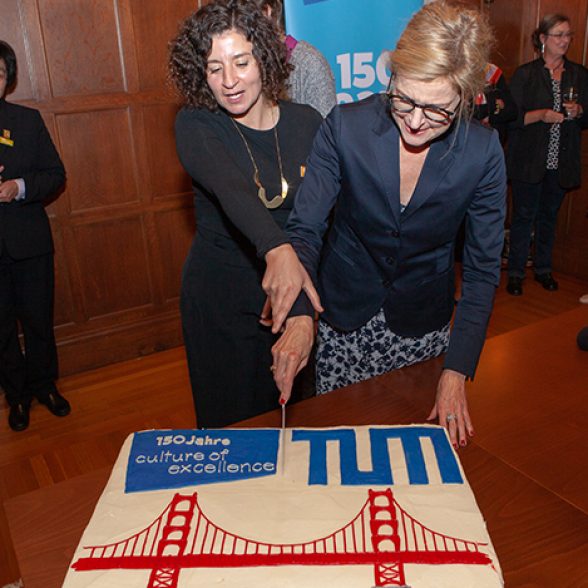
(172, 459)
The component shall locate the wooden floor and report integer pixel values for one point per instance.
(153, 392)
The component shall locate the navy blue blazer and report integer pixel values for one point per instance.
(24, 226)
(374, 256)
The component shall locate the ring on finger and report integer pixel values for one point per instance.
(450, 417)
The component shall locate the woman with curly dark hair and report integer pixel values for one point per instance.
(245, 150)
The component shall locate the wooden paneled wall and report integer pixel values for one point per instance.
(96, 69)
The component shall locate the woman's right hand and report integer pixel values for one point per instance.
(8, 191)
(550, 116)
(283, 280)
(545, 115)
(291, 352)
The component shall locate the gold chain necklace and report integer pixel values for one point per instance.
(277, 200)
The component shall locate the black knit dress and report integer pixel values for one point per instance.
(228, 351)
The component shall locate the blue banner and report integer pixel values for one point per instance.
(354, 36)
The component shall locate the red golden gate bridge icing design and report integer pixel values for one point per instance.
(382, 535)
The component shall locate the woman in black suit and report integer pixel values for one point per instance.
(543, 158)
(31, 171)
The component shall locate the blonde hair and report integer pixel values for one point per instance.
(446, 40)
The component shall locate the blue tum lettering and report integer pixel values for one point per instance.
(381, 473)
(350, 474)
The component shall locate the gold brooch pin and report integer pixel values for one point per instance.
(5, 138)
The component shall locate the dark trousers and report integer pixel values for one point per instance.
(26, 297)
(534, 205)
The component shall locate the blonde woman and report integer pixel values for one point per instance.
(396, 175)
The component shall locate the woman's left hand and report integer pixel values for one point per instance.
(8, 191)
(451, 407)
(283, 280)
(574, 110)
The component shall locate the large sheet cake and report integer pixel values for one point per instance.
(351, 507)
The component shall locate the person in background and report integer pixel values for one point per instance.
(543, 158)
(245, 150)
(398, 173)
(31, 171)
(311, 81)
(494, 107)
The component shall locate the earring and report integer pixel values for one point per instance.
(542, 48)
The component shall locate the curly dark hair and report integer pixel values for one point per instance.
(189, 51)
(277, 8)
(9, 57)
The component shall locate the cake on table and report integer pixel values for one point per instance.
(353, 507)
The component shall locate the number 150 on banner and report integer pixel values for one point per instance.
(359, 77)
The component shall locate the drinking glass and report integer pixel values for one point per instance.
(569, 98)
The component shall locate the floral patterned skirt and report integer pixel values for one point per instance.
(344, 358)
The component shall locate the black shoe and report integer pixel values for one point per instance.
(18, 418)
(56, 404)
(514, 286)
(547, 281)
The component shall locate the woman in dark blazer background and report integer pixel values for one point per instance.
(31, 171)
(543, 156)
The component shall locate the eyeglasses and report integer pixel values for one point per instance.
(405, 105)
(560, 35)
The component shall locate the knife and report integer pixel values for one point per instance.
(283, 436)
